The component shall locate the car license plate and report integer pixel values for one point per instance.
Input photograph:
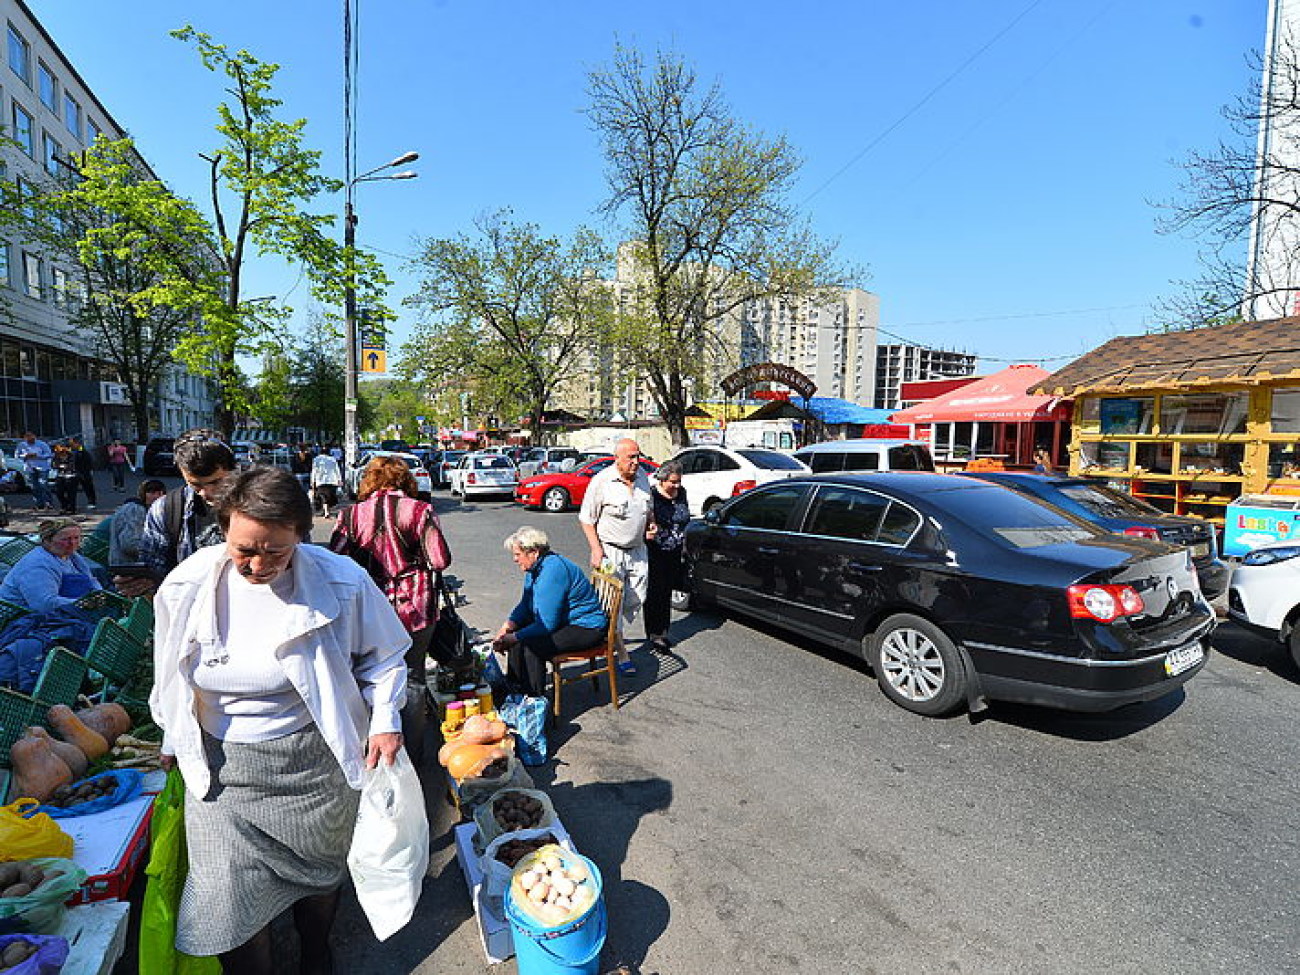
(1200, 550)
(1183, 658)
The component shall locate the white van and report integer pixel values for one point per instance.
(866, 455)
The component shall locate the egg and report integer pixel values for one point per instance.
(538, 893)
(564, 886)
(528, 880)
(577, 872)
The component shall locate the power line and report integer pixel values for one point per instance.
(924, 98)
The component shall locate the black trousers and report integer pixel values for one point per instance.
(664, 575)
(65, 489)
(88, 485)
(526, 662)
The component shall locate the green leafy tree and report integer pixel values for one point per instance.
(262, 183)
(318, 380)
(508, 312)
(703, 199)
(140, 257)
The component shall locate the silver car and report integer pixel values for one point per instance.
(480, 474)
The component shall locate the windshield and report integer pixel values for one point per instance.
(771, 460)
(1104, 502)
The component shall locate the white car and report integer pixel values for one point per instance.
(478, 474)
(711, 475)
(1264, 594)
(352, 476)
(547, 460)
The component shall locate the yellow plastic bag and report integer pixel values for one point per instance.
(35, 836)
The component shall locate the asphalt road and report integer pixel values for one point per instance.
(757, 806)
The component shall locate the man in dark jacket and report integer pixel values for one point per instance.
(85, 468)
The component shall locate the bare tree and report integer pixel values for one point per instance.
(703, 199)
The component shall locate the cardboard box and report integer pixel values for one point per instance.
(109, 846)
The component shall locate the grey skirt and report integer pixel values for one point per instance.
(274, 828)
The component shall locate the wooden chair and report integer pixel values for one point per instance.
(610, 590)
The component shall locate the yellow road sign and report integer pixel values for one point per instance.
(374, 360)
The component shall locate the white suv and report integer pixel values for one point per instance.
(711, 475)
(547, 460)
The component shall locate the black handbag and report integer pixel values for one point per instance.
(450, 645)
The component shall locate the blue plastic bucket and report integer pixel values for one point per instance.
(569, 948)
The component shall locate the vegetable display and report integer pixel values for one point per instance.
(67, 796)
(37, 770)
(109, 721)
(553, 886)
(15, 953)
(71, 729)
(20, 878)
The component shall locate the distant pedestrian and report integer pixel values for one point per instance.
(36, 454)
(128, 523)
(1042, 461)
(325, 480)
(85, 471)
(117, 464)
(63, 471)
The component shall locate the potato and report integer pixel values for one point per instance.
(10, 874)
(17, 890)
(17, 952)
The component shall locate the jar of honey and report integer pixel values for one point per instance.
(469, 707)
(485, 702)
(455, 713)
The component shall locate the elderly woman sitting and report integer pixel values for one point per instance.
(54, 575)
(48, 580)
(559, 612)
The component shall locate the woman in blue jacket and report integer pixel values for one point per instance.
(559, 612)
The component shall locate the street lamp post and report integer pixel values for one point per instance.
(350, 353)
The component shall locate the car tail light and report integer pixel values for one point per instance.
(1142, 531)
(1104, 603)
(742, 486)
(470, 479)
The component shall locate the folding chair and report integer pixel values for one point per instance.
(610, 590)
(14, 549)
(95, 549)
(60, 680)
(113, 654)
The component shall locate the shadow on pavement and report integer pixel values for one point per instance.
(1255, 651)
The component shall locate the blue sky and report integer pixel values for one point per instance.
(991, 164)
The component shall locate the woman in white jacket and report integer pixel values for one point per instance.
(279, 678)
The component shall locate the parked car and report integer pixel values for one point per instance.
(12, 465)
(1118, 511)
(556, 492)
(547, 460)
(158, 459)
(480, 474)
(352, 475)
(866, 455)
(441, 469)
(956, 590)
(711, 475)
(247, 453)
(1264, 594)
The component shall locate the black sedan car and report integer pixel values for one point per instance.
(1117, 511)
(956, 590)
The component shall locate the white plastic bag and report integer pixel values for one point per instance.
(390, 846)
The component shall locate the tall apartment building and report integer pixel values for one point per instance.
(51, 380)
(902, 363)
(831, 341)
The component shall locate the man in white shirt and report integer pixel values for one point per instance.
(325, 480)
(615, 517)
(36, 455)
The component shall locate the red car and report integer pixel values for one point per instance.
(556, 492)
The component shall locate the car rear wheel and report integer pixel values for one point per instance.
(555, 499)
(917, 666)
(1293, 642)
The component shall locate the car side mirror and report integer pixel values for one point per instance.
(713, 517)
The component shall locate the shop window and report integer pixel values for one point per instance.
(1155, 458)
(1286, 411)
(47, 87)
(1111, 456)
(1284, 460)
(1128, 415)
(1210, 457)
(20, 56)
(1216, 413)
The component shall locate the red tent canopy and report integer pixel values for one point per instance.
(999, 398)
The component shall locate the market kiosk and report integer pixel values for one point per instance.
(1189, 421)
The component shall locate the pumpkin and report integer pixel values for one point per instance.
(37, 770)
(72, 756)
(70, 729)
(109, 721)
(482, 731)
(466, 760)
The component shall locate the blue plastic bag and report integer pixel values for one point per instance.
(526, 716)
(51, 953)
(129, 783)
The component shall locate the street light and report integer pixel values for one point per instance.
(350, 297)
